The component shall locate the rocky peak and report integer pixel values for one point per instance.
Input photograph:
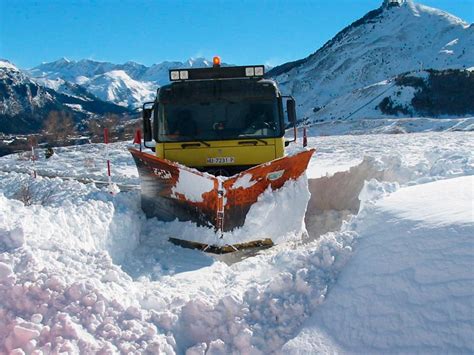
(391, 3)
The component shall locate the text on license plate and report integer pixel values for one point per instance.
(220, 160)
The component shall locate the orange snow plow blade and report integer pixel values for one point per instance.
(172, 191)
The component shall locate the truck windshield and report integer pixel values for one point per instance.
(219, 120)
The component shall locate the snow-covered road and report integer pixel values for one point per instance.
(83, 271)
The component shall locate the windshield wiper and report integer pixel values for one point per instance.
(254, 141)
(201, 141)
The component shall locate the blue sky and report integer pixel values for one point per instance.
(241, 32)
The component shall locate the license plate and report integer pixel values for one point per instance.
(220, 160)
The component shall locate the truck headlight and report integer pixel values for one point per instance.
(259, 71)
(174, 75)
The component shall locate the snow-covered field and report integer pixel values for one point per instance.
(383, 262)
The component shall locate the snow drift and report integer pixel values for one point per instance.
(408, 287)
(84, 271)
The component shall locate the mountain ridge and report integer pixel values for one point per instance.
(352, 75)
(384, 43)
(128, 84)
(25, 104)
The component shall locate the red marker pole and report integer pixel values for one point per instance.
(106, 141)
(138, 138)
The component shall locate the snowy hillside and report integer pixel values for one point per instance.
(117, 87)
(383, 265)
(18, 92)
(128, 84)
(428, 93)
(353, 67)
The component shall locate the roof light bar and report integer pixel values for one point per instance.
(255, 71)
(217, 72)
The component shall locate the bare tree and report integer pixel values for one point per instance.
(96, 127)
(131, 126)
(58, 127)
(112, 123)
(27, 194)
(24, 194)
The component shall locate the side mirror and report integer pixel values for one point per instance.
(291, 109)
(146, 114)
(147, 129)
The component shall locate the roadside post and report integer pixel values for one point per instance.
(137, 139)
(33, 156)
(106, 141)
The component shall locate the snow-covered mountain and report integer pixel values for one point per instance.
(25, 104)
(352, 76)
(118, 87)
(19, 92)
(129, 84)
(425, 93)
(364, 58)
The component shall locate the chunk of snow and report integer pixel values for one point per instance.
(23, 335)
(12, 237)
(244, 181)
(5, 271)
(192, 185)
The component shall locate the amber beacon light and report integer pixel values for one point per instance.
(216, 61)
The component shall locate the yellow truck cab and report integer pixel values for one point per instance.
(221, 120)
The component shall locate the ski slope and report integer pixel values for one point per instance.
(381, 262)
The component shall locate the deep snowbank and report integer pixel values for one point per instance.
(73, 275)
(409, 286)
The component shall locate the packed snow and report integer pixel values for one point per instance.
(192, 186)
(244, 181)
(409, 286)
(381, 261)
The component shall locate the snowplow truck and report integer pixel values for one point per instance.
(218, 141)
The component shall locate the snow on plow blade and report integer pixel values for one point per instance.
(170, 190)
